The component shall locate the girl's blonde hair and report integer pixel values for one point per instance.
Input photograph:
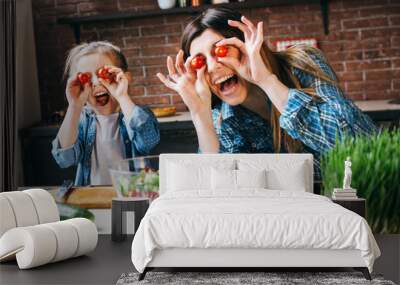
(279, 63)
(102, 47)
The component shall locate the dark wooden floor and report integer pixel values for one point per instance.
(110, 259)
(102, 266)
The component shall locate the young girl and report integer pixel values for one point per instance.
(246, 98)
(102, 125)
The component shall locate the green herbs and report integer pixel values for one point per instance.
(376, 176)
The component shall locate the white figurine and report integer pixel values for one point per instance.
(347, 174)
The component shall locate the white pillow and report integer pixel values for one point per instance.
(251, 178)
(223, 179)
(187, 175)
(281, 175)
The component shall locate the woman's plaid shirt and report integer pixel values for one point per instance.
(317, 123)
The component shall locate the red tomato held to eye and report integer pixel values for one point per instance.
(83, 78)
(104, 73)
(221, 51)
(197, 62)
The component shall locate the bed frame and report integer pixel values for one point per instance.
(242, 259)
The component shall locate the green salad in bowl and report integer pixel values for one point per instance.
(136, 177)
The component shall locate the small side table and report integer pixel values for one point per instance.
(119, 206)
(357, 205)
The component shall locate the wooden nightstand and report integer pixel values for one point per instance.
(357, 205)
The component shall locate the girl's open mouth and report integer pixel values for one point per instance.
(102, 98)
(228, 84)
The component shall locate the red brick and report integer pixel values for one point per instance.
(98, 6)
(360, 49)
(136, 90)
(342, 35)
(136, 71)
(181, 107)
(160, 89)
(376, 64)
(373, 33)
(365, 23)
(340, 56)
(373, 12)
(350, 76)
(174, 39)
(153, 70)
(148, 80)
(389, 52)
(396, 84)
(150, 100)
(148, 61)
(361, 4)
(395, 42)
(145, 41)
(119, 33)
(176, 99)
(378, 94)
(396, 63)
(182, 19)
(134, 5)
(355, 86)
(337, 66)
(163, 50)
(131, 52)
(161, 30)
(143, 22)
(356, 95)
(379, 75)
(394, 20)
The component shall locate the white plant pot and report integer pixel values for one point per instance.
(166, 4)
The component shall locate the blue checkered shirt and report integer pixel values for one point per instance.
(317, 123)
(139, 132)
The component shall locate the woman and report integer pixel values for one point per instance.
(254, 100)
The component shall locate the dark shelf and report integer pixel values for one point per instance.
(76, 22)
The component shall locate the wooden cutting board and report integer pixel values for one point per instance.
(94, 197)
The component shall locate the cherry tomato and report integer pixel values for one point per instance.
(83, 77)
(104, 73)
(221, 51)
(197, 62)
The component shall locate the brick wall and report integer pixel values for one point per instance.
(363, 45)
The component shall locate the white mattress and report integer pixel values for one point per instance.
(252, 219)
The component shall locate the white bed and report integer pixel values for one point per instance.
(203, 220)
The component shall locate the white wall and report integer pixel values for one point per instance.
(27, 86)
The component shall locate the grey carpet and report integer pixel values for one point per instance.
(243, 278)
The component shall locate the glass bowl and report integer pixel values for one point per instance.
(136, 177)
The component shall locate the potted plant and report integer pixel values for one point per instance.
(376, 176)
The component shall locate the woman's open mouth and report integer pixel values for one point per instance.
(102, 98)
(227, 84)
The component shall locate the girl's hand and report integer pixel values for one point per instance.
(118, 87)
(77, 95)
(189, 84)
(250, 66)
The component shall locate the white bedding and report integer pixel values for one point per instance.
(252, 218)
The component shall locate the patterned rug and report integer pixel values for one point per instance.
(243, 278)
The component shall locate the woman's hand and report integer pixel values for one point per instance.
(77, 94)
(250, 66)
(191, 85)
(118, 87)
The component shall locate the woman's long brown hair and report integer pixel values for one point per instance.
(279, 63)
